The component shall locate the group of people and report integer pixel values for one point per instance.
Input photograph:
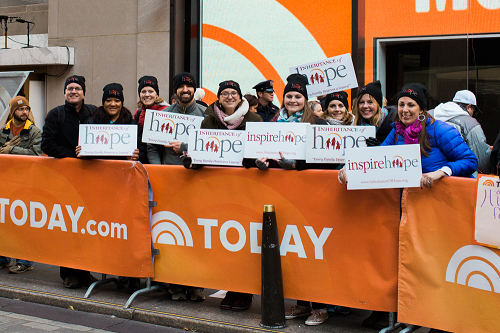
(451, 142)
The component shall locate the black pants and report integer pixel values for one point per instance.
(65, 272)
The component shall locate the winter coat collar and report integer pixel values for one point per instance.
(26, 125)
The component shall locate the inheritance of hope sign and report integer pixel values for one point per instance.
(329, 75)
(487, 216)
(161, 127)
(383, 167)
(107, 140)
(327, 143)
(269, 139)
(217, 147)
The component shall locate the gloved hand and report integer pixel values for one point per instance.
(373, 142)
(8, 145)
(262, 164)
(187, 161)
(285, 163)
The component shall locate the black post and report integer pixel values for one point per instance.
(272, 303)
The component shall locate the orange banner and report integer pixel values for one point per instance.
(85, 214)
(337, 246)
(445, 282)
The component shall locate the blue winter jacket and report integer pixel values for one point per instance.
(448, 148)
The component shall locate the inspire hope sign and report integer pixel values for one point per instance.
(383, 167)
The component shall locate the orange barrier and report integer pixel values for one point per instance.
(445, 282)
(337, 246)
(85, 214)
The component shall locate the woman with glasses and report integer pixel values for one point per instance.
(229, 112)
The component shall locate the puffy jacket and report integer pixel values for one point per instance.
(447, 149)
(469, 129)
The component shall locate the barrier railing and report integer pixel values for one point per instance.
(337, 246)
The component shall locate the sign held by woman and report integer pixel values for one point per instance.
(383, 167)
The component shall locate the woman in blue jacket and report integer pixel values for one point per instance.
(443, 151)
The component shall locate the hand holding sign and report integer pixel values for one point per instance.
(176, 145)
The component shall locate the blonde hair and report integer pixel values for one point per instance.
(377, 117)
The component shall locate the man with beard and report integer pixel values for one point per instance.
(59, 139)
(266, 109)
(21, 137)
(184, 86)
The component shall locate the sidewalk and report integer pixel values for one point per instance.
(43, 285)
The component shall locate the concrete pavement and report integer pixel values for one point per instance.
(43, 285)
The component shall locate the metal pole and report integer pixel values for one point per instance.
(272, 303)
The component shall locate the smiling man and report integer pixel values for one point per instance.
(59, 139)
(184, 86)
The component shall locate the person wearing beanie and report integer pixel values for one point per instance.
(184, 86)
(19, 136)
(442, 148)
(368, 110)
(460, 114)
(229, 112)
(148, 99)
(265, 94)
(337, 111)
(59, 139)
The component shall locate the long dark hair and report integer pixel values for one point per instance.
(424, 138)
(101, 117)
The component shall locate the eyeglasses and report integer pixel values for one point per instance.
(232, 94)
(23, 109)
(77, 89)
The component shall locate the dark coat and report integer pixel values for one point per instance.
(60, 139)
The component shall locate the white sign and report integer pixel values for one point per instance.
(161, 127)
(329, 75)
(269, 139)
(107, 140)
(487, 217)
(383, 167)
(217, 147)
(327, 143)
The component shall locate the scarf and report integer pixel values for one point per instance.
(410, 133)
(333, 121)
(142, 115)
(230, 124)
(294, 118)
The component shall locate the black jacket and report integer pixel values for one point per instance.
(60, 136)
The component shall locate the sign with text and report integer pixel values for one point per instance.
(327, 143)
(269, 139)
(107, 140)
(383, 167)
(217, 147)
(329, 75)
(162, 127)
(487, 214)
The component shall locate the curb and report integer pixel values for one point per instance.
(148, 316)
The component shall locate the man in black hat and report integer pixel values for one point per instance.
(265, 93)
(59, 139)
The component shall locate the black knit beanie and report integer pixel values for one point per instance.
(148, 81)
(340, 96)
(183, 78)
(112, 90)
(298, 83)
(416, 91)
(75, 79)
(373, 89)
(229, 84)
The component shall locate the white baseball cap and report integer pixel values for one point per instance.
(466, 97)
